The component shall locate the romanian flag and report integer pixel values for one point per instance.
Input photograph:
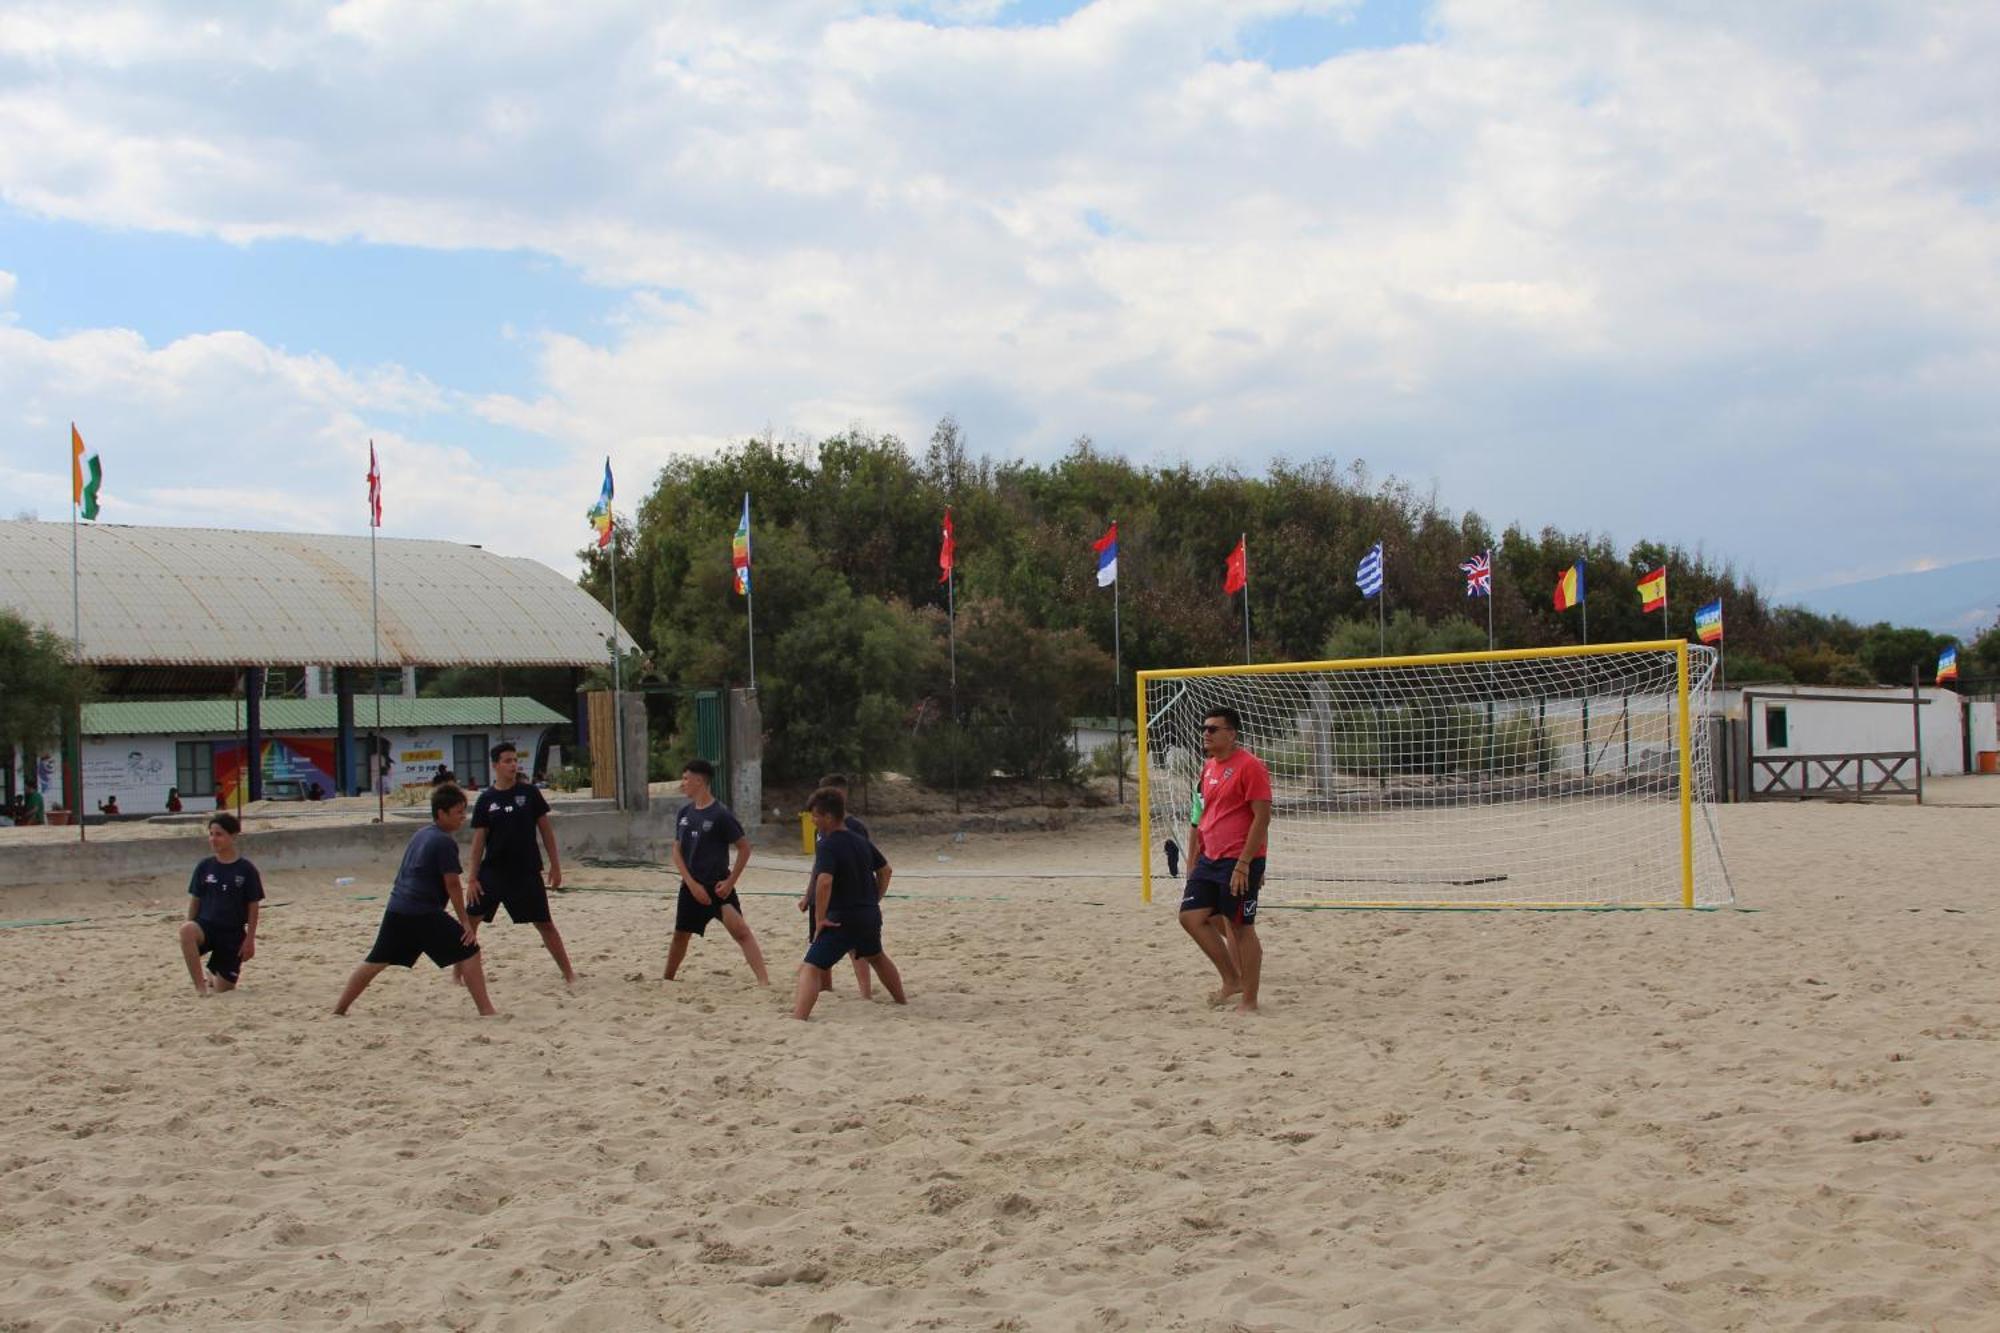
(600, 513)
(1708, 622)
(1569, 588)
(1948, 665)
(1653, 590)
(1236, 572)
(947, 549)
(739, 550)
(86, 474)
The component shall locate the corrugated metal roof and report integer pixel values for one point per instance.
(219, 717)
(210, 597)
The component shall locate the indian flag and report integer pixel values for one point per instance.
(86, 474)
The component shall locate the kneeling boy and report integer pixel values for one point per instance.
(225, 898)
(848, 906)
(416, 922)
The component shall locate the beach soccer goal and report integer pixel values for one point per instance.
(1537, 777)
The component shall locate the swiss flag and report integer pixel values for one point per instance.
(1236, 574)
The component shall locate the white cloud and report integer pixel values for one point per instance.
(1691, 273)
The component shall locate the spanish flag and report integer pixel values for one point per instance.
(1569, 588)
(1653, 590)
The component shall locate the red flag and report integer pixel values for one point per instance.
(946, 550)
(1236, 574)
(374, 489)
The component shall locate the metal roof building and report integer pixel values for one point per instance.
(204, 597)
(172, 717)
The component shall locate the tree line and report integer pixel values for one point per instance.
(854, 666)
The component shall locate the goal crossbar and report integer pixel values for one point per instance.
(1682, 721)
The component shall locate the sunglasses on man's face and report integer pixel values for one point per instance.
(1213, 727)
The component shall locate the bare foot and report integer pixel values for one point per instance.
(1247, 1007)
(1218, 998)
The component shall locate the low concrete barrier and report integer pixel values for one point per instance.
(644, 834)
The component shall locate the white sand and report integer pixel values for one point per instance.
(1502, 1121)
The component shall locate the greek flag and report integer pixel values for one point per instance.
(1368, 575)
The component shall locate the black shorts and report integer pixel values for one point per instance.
(521, 893)
(692, 917)
(1208, 887)
(224, 947)
(405, 936)
(838, 941)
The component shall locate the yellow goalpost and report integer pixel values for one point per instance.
(1529, 777)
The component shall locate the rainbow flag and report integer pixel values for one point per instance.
(600, 513)
(1948, 665)
(1708, 621)
(1569, 588)
(1653, 590)
(739, 550)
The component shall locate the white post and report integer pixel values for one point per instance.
(1118, 683)
(76, 645)
(379, 770)
(617, 678)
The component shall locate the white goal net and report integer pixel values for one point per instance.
(1525, 778)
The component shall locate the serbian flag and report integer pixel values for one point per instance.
(1107, 557)
(947, 550)
(1948, 665)
(1653, 590)
(1236, 572)
(1708, 622)
(86, 474)
(1569, 588)
(739, 550)
(374, 488)
(600, 513)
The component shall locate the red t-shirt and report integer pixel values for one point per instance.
(1227, 788)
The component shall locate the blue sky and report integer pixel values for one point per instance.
(1509, 250)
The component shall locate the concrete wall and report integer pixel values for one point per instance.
(746, 757)
(1876, 722)
(597, 831)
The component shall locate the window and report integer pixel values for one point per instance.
(194, 767)
(1777, 733)
(468, 759)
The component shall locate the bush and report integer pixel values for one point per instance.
(947, 753)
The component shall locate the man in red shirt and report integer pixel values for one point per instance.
(1226, 865)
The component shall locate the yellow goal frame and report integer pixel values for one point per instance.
(1684, 722)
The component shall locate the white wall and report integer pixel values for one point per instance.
(1858, 724)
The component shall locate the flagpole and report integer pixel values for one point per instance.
(379, 770)
(1117, 683)
(617, 677)
(1491, 643)
(951, 630)
(1243, 544)
(749, 593)
(1382, 619)
(76, 624)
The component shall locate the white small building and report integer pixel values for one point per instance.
(137, 751)
(1820, 728)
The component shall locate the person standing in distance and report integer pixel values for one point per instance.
(506, 863)
(705, 831)
(1226, 866)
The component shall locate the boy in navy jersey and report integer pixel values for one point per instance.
(416, 922)
(225, 898)
(838, 781)
(506, 863)
(848, 903)
(705, 833)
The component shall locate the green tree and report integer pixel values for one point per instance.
(1892, 653)
(1407, 634)
(40, 684)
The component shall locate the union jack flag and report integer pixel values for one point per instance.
(1478, 573)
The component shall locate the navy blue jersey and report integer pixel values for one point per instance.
(852, 861)
(510, 818)
(225, 890)
(706, 834)
(430, 856)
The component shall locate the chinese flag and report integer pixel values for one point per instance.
(1236, 574)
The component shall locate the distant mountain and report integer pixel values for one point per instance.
(1958, 599)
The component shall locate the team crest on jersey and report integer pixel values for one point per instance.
(522, 799)
(707, 824)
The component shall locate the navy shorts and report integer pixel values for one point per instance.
(837, 941)
(224, 947)
(522, 894)
(1208, 887)
(407, 936)
(692, 917)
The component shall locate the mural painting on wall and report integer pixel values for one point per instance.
(306, 760)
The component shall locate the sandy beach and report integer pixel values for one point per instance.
(1775, 1117)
